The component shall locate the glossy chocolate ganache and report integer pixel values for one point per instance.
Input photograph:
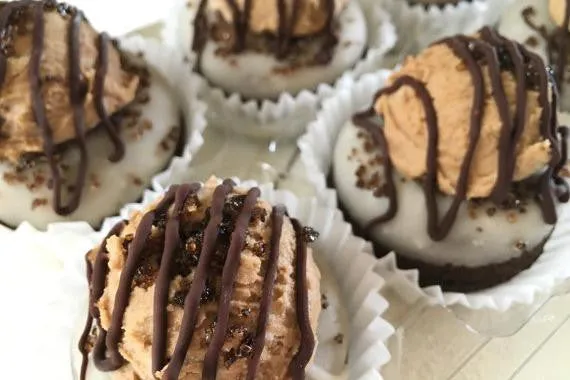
(236, 35)
(497, 55)
(209, 248)
(15, 20)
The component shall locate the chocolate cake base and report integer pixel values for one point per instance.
(450, 277)
(469, 279)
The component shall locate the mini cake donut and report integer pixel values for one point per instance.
(261, 49)
(76, 115)
(456, 166)
(208, 282)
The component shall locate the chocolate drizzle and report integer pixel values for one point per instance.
(557, 41)
(78, 89)
(168, 214)
(497, 54)
(288, 17)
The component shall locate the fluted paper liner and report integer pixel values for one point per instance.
(289, 114)
(419, 25)
(532, 285)
(61, 299)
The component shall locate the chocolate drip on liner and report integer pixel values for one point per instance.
(96, 275)
(77, 89)
(469, 50)
(174, 200)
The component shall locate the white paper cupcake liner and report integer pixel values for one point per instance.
(61, 294)
(287, 116)
(418, 26)
(530, 286)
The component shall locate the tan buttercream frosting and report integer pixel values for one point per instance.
(19, 133)
(264, 17)
(449, 83)
(283, 335)
(557, 10)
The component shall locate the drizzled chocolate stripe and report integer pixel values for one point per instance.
(77, 92)
(171, 243)
(286, 26)
(228, 278)
(522, 62)
(98, 92)
(108, 358)
(307, 344)
(557, 42)
(241, 20)
(277, 217)
(96, 275)
(510, 134)
(192, 300)
(144, 230)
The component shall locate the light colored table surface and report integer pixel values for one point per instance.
(433, 343)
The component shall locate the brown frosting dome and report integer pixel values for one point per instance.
(448, 80)
(209, 281)
(311, 15)
(19, 132)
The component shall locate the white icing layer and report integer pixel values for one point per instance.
(512, 25)
(262, 76)
(476, 239)
(108, 185)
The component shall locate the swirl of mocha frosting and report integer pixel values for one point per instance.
(309, 16)
(504, 105)
(209, 282)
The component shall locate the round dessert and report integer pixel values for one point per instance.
(260, 48)
(208, 282)
(456, 165)
(542, 26)
(440, 3)
(76, 117)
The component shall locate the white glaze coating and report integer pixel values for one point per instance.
(254, 75)
(407, 231)
(118, 183)
(512, 25)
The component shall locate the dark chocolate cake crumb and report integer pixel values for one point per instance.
(491, 211)
(310, 235)
(520, 245)
(339, 338)
(39, 202)
(324, 301)
(532, 41)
